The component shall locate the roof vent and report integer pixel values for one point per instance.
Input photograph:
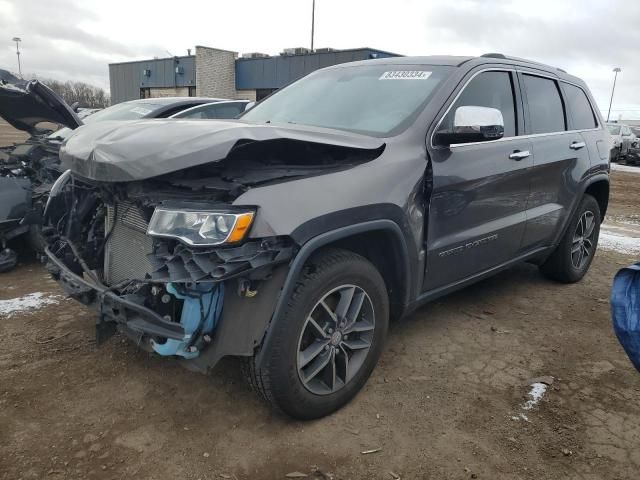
(295, 51)
(255, 55)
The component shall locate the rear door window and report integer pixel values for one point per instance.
(546, 110)
(492, 90)
(581, 112)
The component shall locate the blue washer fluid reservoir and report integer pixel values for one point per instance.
(200, 300)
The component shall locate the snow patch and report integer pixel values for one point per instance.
(32, 301)
(617, 242)
(625, 168)
(536, 393)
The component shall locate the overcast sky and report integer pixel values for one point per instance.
(76, 39)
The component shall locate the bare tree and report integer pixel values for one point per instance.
(87, 96)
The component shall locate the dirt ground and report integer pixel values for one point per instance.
(445, 402)
(9, 135)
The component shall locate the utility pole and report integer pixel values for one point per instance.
(616, 70)
(18, 40)
(313, 21)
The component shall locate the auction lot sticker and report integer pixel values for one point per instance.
(405, 75)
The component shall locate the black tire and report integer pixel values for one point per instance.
(561, 265)
(8, 260)
(35, 239)
(615, 156)
(278, 380)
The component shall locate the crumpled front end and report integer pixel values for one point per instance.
(154, 228)
(195, 301)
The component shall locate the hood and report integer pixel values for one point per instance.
(24, 104)
(113, 152)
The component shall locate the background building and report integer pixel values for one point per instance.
(213, 72)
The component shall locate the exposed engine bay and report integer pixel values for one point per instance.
(99, 232)
(27, 172)
(35, 159)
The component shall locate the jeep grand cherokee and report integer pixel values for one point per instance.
(290, 237)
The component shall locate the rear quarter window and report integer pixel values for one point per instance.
(582, 114)
(546, 110)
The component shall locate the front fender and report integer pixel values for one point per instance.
(319, 241)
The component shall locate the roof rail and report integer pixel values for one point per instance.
(494, 55)
(517, 59)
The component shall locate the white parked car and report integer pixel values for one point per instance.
(621, 139)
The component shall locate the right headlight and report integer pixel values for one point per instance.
(200, 227)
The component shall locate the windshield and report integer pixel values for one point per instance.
(614, 129)
(377, 100)
(121, 111)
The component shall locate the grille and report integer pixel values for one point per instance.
(128, 245)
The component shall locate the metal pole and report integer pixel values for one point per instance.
(18, 40)
(313, 21)
(616, 70)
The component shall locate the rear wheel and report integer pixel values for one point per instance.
(329, 339)
(573, 256)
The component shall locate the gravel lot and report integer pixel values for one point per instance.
(449, 399)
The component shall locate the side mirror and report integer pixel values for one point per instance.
(249, 105)
(472, 124)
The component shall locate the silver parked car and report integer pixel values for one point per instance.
(621, 139)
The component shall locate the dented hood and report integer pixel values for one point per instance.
(24, 104)
(117, 152)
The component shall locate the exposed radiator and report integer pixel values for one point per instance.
(128, 244)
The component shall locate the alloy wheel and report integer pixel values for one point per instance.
(335, 339)
(582, 245)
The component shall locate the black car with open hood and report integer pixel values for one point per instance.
(28, 169)
(26, 103)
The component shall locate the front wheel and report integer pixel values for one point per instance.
(329, 339)
(573, 256)
(8, 260)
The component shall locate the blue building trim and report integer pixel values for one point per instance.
(270, 73)
(276, 72)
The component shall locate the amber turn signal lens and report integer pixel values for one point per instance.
(243, 222)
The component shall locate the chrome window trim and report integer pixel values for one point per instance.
(522, 137)
(517, 137)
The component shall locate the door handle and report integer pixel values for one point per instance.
(577, 145)
(519, 155)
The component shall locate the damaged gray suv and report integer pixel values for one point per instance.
(292, 236)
